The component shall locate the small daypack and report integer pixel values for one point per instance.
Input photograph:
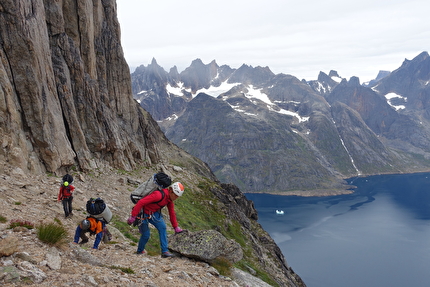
(157, 181)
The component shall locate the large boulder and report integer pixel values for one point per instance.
(205, 245)
(8, 246)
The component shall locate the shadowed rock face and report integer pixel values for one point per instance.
(65, 92)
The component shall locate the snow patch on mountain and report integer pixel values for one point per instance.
(391, 96)
(336, 79)
(176, 91)
(216, 91)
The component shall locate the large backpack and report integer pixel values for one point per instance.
(157, 181)
(98, 209)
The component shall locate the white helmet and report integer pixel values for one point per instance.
(177, 188)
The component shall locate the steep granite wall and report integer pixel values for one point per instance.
(65, 94)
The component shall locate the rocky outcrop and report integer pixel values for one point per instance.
(205, 245)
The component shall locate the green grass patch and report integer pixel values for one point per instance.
(51, 233)
(127, 270)
(199, 209)
(125, 229)
(223, 265)
(3, 219)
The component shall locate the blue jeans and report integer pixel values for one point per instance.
(157, 220)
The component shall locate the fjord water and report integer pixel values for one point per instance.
(377, 236)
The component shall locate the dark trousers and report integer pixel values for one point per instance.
(67, 205)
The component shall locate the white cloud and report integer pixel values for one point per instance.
(356, 38)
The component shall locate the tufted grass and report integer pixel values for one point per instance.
(51, 233)
(127, 270)
(3, 219)
(223, 265)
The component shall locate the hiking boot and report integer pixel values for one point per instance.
(167, 255)
(141, 252)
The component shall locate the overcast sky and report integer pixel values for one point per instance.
(300, 38)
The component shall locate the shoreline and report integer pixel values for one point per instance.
(348, 189)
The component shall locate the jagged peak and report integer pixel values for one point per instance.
(197, 62)
(244, 66)
(323, 77)
(333, 73)
(354, 81)
(322, 74)
(173, 72)
(213, 62)
(421, 57)
(382, 74)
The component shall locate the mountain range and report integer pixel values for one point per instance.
(274, 133)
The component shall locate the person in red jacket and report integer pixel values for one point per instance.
(149, 209)
(65, 194)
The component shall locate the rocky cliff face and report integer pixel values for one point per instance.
(65, 89)
(66, 105)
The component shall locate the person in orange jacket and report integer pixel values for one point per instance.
(65, 195)
(149, 209)
(94, 227)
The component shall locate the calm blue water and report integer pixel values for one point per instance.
(379, 236)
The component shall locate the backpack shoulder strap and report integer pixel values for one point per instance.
(162, 196)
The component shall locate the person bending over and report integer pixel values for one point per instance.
(148, 209)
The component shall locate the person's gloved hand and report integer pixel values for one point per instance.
(178, 230)
(131, 219)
